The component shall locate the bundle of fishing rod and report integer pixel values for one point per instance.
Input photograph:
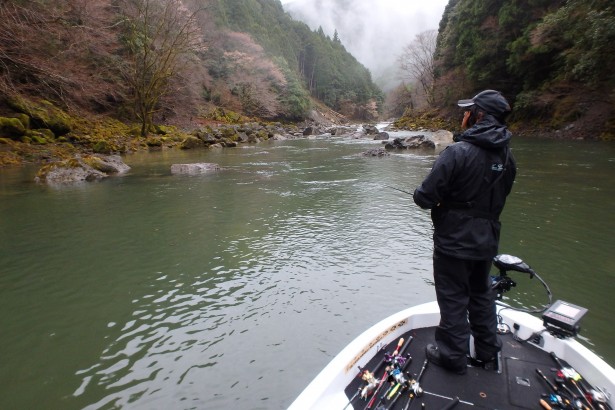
(401, 388)
(569, 390)
(390, 387)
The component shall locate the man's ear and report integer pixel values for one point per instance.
(479, 116)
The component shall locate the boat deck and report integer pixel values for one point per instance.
(518, 386)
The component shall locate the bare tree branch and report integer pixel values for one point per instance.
(158, 34)
(416, 63)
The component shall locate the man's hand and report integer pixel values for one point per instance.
(466, 118)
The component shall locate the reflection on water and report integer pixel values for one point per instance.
(233, 289)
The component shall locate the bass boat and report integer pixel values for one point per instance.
(541, 365)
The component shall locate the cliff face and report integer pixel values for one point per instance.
(551, 59)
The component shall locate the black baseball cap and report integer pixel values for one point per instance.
(490, 101)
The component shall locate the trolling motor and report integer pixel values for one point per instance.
(561, 318)
(502, 284)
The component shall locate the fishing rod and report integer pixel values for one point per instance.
(402, 384)
(416, 387)
(384, 376)
(370, 380)
(448, 398)
(397, 189)
(352, 398)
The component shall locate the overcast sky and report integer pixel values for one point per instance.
(374, 31)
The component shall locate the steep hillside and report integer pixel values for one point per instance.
(132, 65)
(553, 59)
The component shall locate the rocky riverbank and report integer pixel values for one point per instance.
(84, 167)
(74, 150)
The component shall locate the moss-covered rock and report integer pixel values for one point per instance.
(108, 164)
(38, 139)
(40, 136)
(191, 142)
(102, 147)
(47, 133)
(11, 127)
(79, 169)
(154, 141)
(165, 129)
(25, 120)
(43, 114)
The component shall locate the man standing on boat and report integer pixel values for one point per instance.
(466, 191)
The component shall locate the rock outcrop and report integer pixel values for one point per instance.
(81, 168)
(194, 169)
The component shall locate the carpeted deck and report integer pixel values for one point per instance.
(518, 386)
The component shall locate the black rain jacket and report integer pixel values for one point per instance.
(466, 193)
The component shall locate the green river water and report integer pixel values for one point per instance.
(235, 288)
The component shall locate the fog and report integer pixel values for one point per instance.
(374, 31)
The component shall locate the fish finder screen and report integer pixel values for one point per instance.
(567, 310)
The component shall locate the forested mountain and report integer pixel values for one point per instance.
(172, 61)
(553, 59)
(375, 32)
(327, 70)
(188, 62)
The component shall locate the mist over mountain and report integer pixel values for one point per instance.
(373, 31)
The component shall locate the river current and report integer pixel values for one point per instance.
(233, 289)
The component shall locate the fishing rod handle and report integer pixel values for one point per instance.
(405, 346)
(451, 404)
(551, 385)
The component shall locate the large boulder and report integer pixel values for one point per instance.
(191, 142)
(194, 169)
(382, 136)
(311, 130)
(80, 169)
(341, 130)
(107, 164)
(370, 129)
(376, 152)
(413, 142)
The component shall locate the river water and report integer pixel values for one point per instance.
(233, 289)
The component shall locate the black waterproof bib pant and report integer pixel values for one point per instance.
(463, 290)
(466, 191)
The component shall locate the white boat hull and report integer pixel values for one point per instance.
(326, 391)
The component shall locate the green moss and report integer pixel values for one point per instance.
(42, 136)
(165, 129)
(67, 163)
(229, 132)
(135, 131)
(154, 141)
(4, 141)
(47, 133)
(11, 127)
(191, 142)
(417, 120)
(262, 134)
(38, 139)
(228, 116)
(25, 120)
(44, 114)
(102, 147)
